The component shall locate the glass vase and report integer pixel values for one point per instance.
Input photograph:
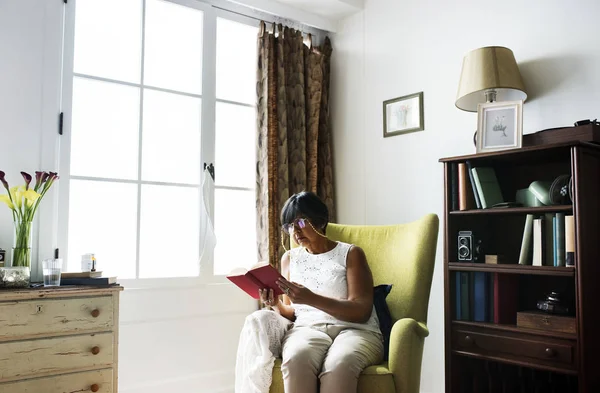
(21, 255)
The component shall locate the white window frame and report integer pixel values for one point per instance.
(207, 153)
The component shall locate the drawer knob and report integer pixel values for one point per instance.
(550, 352)
(468, 340)
(94, 387)
(95, 350)
(95, 313)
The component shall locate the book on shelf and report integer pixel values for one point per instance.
(487, 186)
(526, 242)
(506, 295)
(262, 276)
(538, 242)
(466, 199)
(569, 241)
(472, 183)
(560, 240)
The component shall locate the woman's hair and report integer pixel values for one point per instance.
(308, 205)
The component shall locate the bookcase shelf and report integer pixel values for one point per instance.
(513, 328)
(497, 355)
(512, 269)
(515, 210)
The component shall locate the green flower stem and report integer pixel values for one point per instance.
(22, 249)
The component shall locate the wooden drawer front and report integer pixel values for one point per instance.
(20, 359)
(551, 352)
(78, 382)
(45, 317)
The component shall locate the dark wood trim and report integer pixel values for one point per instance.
(506, 154)
(512, 269)
(516, 362)
(515, 329)
(586, 173)
(447, 294)
(515, 210)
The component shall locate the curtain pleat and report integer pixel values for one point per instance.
(293, 138)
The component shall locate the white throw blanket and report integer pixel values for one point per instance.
(259, 346)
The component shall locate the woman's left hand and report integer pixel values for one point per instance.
(296, 292)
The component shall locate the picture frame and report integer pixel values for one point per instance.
(403, 115)
(499, 126)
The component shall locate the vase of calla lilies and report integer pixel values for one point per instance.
(24, 201)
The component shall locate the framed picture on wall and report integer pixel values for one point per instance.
(499, 126)
(403, 115)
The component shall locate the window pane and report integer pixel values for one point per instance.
(171, 138)
(173, 56)
(235, 228)
(103, 221)
(236, 61)
(108, 39)
(169, 232)
(235, 142)
(104, 113)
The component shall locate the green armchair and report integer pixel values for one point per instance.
(402, 255)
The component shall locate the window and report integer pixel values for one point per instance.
(152, 90)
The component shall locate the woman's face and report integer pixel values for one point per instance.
(302, 232)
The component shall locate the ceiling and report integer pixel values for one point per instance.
(330, 9)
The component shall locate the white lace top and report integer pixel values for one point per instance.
(325, 275)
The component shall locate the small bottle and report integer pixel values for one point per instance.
(87, 262)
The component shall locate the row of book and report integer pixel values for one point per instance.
(486, 297)
(474, 187)
(548, 240)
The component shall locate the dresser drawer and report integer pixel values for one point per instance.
(24, 359)
(33, 318)
(92, 381)
(516, 347)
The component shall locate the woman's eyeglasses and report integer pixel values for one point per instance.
(298, 222)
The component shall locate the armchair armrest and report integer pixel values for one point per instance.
(406, 354)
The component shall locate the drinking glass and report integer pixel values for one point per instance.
(51, 270)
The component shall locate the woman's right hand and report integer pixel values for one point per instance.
(267, 297)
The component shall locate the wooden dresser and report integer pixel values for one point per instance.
(59, 340)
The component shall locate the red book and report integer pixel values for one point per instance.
(260, 277)
(506, 295)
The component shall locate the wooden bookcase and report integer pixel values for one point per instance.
(506, 358)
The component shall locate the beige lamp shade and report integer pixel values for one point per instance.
(489, 68)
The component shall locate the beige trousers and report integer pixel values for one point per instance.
(330, 354)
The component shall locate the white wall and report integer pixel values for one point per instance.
(418, 45)
(172, 339)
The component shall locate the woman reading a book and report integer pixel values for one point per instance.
(328, 290)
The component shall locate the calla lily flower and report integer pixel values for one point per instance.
(27, 178)
(6, 199)
(3, 180)
(38, 179)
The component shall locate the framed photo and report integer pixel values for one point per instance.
(499, 126)
(403, 115)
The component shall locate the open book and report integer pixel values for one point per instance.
(259, 277)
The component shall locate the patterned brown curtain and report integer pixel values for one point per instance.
(294, 137)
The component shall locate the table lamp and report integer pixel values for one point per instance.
(489, 74)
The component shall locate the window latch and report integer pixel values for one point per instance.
(211, 169)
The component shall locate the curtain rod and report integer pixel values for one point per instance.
(251, 13)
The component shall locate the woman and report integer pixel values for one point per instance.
(329, 299)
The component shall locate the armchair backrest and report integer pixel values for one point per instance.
(402, 255)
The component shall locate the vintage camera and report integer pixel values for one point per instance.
(469, 248)
(553, 304)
